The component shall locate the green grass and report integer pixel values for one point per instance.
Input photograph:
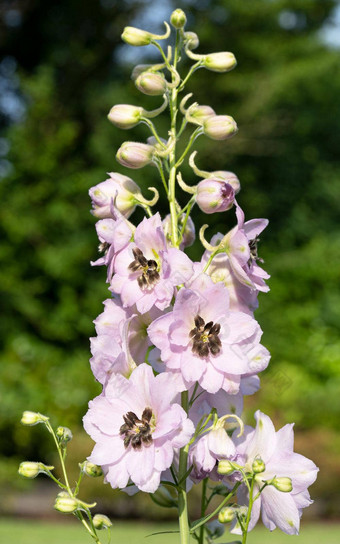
(35, 532)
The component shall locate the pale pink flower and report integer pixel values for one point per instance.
(279, 509)
(137, 428)
(147, 271)
(206, 342)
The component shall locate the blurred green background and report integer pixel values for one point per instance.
(62, 68)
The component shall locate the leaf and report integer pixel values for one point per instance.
(161, 533)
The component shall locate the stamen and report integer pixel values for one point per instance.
(205, 337)
(148, 267)
(137, 431)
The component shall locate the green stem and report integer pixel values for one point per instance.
(182, 494)
(193, 69)
(216, 511)
(193, 137)
(172, 157)
(250, 506)
(203, 508)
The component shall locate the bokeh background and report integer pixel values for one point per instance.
(62, 68)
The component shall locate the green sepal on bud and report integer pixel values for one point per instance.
(219, 62)
(65, 503)
(258, 466)
(32, 418)
(283, 484)
(226, 515)
(64, 435)
(220, 127)
(91, 469)
(101, 522)
(31, 469)
(178, 19)
(138, 37)
(226, 467)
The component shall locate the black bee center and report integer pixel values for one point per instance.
(253, 251)
(205, 337)
(137, 431)
(148, 267)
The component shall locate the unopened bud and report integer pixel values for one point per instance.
(125, 116)
(119, 188)
(178, 18)
(198, 114)
(32, 418)
(101, 522)
(64, 434)
(65, 503)
(220, 127)
(283, 484)
(191, 40)
(151, 83)
(258, 466)
(226, 515)
(226, 467)
(219, 62)
(214, 195)
(136, 36)
(135, 155)
(31, 469)
(91, 469)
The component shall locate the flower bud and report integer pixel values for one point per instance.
(198, 114)
(64, 434)
(91, 469)
(214, 195)
(136, 36)
(191, 40)
(219, 62)
(228, 177)
(101, 522)
(65, 503)
(119, 188)
(135, 155)
(258, 466)
(125, 116)
(31, 469)
(32, 418)
(283, 484)
(151, 83)
(225, 467)
(220, 127)
(226, 515)
(178, 18)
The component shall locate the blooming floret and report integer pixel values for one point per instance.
(137, 428)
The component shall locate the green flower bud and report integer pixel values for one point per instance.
(151, 83)
(64, 434)
(125, 116)
(101, 522)
(198, 114)
(65, 503)
(136, 36)
(219, 62)
(226, 467)
(226, 515)
(31, 469)
(220, 127)
(258, 466)
(178, 18)
(191, 40)
(32, 418)
(91, 469)
(283, 484)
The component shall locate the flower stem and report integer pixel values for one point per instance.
(250, 506)
(203, 508)
(182, 494)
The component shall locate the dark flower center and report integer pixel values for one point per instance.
(135, 431)
(205, 337)
(253, 251)
(148, 268)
